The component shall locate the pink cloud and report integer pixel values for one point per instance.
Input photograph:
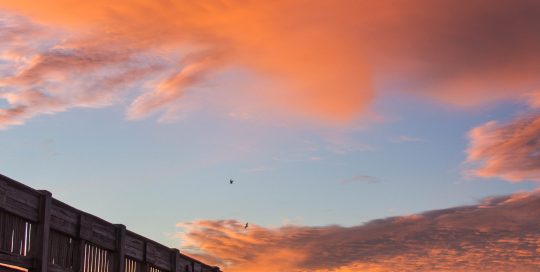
(499, 234)
(509, 151)
(194, 70)
(324, 56)
(56, 76)
(534, 99)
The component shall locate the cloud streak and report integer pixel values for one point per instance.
(316, 59)
(510, 151)
(47, 76)
(171, 89)
(499, 234)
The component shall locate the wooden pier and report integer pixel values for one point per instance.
(40, 233)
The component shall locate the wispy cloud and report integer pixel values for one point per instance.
(168, 91)
(509, 151)
(322, 55)
(361, 179)
(499, 234)
(57, 76)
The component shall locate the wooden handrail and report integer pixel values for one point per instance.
(41, 210)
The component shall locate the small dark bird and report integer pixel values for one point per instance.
(246, 226)
(231, 181)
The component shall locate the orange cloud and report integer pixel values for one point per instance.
(169, 90)
(325, 56)
(67, 77)
(42, 76)
(534, 99)
(510, 151)
(499, 234)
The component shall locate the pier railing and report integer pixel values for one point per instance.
(40, 233)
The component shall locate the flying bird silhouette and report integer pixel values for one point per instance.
(246, 226)
(231, 181)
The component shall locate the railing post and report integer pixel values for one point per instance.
(175, 255)
(145, 267)
(43, 231)
(120, 248)
(79, 259)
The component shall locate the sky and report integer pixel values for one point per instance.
(361, 135)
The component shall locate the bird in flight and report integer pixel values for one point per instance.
(246, 226)
(231, 181)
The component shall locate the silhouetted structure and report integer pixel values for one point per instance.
(40, 233)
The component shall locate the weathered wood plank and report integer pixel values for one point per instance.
(134, 247)
(97, 231)
(184, 263)
(150, 253)
(162, 256)
(19, 202)
(64, 218)
(21, 261)
(197, 267)
(206, 269)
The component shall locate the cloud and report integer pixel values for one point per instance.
(316, 59)
(171, 89)
(534, 99)
(361, 179)
(499, 234)
(57, 76)
(509, 151)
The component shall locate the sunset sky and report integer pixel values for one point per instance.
(327, 114)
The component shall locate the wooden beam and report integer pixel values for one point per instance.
(145, 266)
(21, 261)
(43, 230)
(79, 253)
(120, 259)
(175, 255)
